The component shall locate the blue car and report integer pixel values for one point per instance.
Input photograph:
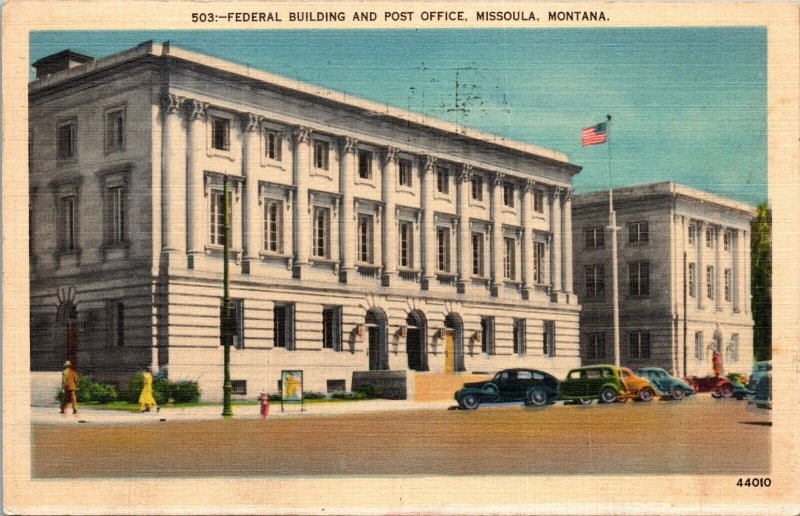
(760, 370)
(668, 386)
(762, 395)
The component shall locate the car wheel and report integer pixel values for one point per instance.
(470, 402)
(608, 395)
(739, 397)
(537, 397)
(646, 394)
(621, 399)
(726, 391)
(585, 401)
(678, 393)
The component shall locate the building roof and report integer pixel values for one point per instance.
(63, 55)
(653, 190)
(370, 108)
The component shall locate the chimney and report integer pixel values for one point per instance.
(63, 60)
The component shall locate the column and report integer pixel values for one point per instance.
(555, 229)
(566, 244)
(464, 240)
(302, 217)
(347, 171)
(252, 218)
(700, 241)
(428, 183)
(746, 272)
(173, 175)
(388, 180)
(737, 279)
(195, 188)
(497, 249)
(719, 285)
(526, 245)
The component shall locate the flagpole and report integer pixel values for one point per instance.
(612, 225)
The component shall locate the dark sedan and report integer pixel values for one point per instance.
(509, 385)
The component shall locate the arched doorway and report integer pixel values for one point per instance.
(378, 348)
(453, 343)
(67, 322)
(417, 341)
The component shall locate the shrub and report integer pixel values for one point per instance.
(275, 396)
(368, 390)
(313, 395)
(348, 395)
(185, 391)
(90, 390)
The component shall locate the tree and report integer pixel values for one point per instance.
(761, 282)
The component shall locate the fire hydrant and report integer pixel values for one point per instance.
(264, 405)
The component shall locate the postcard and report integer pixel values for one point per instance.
(400, 257)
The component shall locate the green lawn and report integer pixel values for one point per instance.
(134, 407)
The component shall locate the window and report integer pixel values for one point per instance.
(239, 387)
(273, 226)
(477, 188)
(220, 133)
(283, 326)
(237, 322)
(639, 345)
(519, 336)
(321, 232)
(477, 254)
(272, 145)
(594, 237)
(692, 280)
(509, 265)
(364, 164)
(710, 281)
(508, 194)
(538, 201)
(691, 233)
(332, 328)
(549, 338)
(538, 262)
(115, 321)
(726, 241)
(727, 284)
(115, 130)
(321, 149)
(595, 282)
(365, 238)
(115, 220)
(404, 171)
(710, 238)
(637, 232)
(487, 335)
(596, 346)
(442, 180)
(443, 249)
(406, 236)
(65, 140)
(68, 214)
(698, 346)
(639, 278)
(733, 348)
(218, 218)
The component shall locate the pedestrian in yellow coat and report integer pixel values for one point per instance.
(69, 383)
(146, 399)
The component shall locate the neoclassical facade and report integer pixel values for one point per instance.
(684, 278)
(363, 238)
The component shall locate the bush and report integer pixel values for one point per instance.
(368, 390)
(90, 390)
(185, 391)
(313, 395)
(348, 396)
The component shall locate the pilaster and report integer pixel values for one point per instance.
(252, 226)
(428, 183)
(389, 178)
(195, 191)
(555, 229)
(567, 244)
(526, 245)
(700, 240)
(302, 215)
(496, 200)
(463, 245)
(347, 171)
(173, 175)
(719, 285)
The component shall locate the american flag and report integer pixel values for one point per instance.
(594, 135)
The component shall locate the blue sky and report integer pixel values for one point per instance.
(688, 104)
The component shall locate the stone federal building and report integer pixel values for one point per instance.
(364, 238)
(684, 278)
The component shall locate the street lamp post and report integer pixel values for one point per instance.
(225, 319)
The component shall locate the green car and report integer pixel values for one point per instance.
(585, 384)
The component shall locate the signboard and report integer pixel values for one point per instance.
(292, 387)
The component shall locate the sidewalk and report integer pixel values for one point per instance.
(51, 415)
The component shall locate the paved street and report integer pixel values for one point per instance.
(697, 435)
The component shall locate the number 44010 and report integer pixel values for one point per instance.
(754, 482)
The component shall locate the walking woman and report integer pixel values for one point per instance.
(146, 399)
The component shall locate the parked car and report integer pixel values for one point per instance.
(740, 391)
(762, 395)
(718, 386)
(667, 386)
(528, 385)
(760, 370)
(606, 383)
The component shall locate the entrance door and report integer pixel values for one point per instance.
(413, 349)
(72, 342)
(449, 352)
(372, 335)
